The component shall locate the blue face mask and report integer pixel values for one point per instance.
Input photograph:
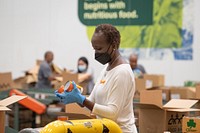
(82, 68)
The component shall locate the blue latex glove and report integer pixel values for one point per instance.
(71, 97)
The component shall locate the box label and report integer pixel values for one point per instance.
(175, 122)
(191, 125)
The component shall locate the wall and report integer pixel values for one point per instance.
(30, 27)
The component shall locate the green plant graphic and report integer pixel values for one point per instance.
(165, 32)
(191, 124)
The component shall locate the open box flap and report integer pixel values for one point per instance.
(180, 103)
(3, 108)
(151, 97)
(183, 110)
(146, 106)
(11, 100)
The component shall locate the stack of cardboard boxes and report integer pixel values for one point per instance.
(157, 117)
(148, 81)
(161, 108)
(191, 124)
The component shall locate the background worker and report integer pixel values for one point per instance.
(137, 69)
(112, 96)
(85, 74)
(45, 75)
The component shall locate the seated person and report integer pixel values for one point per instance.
(85, 73)
(138, 70)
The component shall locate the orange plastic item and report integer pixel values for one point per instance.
(62, 118)
(61, 89)
(69, 87)
(29, 102)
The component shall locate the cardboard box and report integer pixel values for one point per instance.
(76, 109)
(20, 83)
(70, 76)
(56, 69)
(156, 118)
(32, 73)
(191, 124)
(84, 85)
(140, 84)
(66, 76)
(198, 91)
(164, 93)
(3, 108)
(6, 81)
(191, 83)
(182, 92)
(158, 80)
(154, 97)
(136, 115)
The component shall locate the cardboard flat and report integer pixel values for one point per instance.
(3, 103)
(180, 103)
(10, 100)
(33, 70)
(56, 69)
(184, 110)
(4, 108)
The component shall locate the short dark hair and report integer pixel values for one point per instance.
(111, 33)
(47, 52)
(84, 59)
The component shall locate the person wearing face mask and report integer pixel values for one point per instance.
(85, 74)
(112, 96)
(45, 75)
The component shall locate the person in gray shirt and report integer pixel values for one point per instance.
(45, 75)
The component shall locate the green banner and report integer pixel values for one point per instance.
(116, 12)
